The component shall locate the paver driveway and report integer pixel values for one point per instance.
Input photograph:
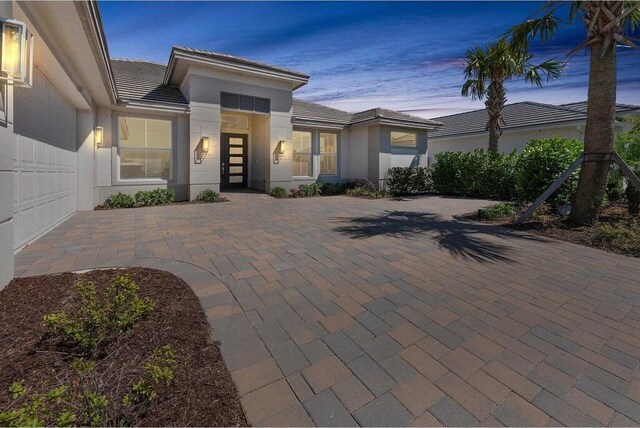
(340, 311)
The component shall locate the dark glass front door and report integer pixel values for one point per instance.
(233, 164)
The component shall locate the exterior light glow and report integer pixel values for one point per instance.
(281, 147)
(205, 144)
(98, 135)
(16, 63)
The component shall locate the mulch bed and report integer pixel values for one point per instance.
(548, 223)
(194, 202)
(203, 393)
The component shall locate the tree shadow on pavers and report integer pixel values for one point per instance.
(461, 238)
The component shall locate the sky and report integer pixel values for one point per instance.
(405, 56)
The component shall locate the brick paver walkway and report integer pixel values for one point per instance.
(340, 311)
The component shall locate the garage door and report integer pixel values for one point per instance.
(44, 160)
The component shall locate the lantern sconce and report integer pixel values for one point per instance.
(279, 152)
(16, 62)
(99, 136)
(201, 150)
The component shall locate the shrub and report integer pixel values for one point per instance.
(329, 189)
(119, 200)
(145, 198)
(475, 174)
(498, 210)
(627, 144)
(209, 195)
(365, 192)
(622, 236)
(278, 192)
(309, 190)
(407, 181)
(541, 163)
(100, 316)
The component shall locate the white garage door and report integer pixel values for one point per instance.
(44, 160)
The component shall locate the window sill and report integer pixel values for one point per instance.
(141, 181)
(302, 178)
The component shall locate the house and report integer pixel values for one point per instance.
(523, 122)
(84, 126)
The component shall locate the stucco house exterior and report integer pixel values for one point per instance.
(88, 126)
(524, 121)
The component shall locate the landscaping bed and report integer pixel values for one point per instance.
(195, 389)
(616, 230)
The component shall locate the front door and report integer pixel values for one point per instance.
(233, 164)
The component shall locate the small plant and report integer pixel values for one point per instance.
(278, 192)
(145, 198)
(101, 316)
(406, 181)
(329, 189)
(209, 195)
(366, 193)
(495, 211)
(309, 190)
(119, 200)
(160, 372)
(623, 236)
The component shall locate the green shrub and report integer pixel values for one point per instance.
(475, 174)
(145, 198)
(209, 195)
(278, 192)
(119, 200)
(329, 189)
(498, 210)
(365, 192)
(360, 182)
(309, 190)
(101, 316)
(627, 144)
(541, 163)
(407, 181)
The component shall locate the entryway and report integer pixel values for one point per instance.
(234, 161)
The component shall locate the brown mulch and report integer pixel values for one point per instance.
(548, 223)
(203, 393)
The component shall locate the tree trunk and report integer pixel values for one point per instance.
(598, 135)
(496, 98)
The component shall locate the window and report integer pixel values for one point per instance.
(302, 155)
(145, 148)
(403, 139)
(328, 153)
(245, 102)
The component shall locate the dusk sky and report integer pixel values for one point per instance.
(405, 56)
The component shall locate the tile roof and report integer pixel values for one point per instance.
(138, 80)
(313, 112)
(515, 115)
(381, 113)
(237, 60)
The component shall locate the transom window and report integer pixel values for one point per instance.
(145, 148)
(302, 162)
(403, 139)
(245, 102)
(328, 153)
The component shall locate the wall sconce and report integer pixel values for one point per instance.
(205, 145)
(98, 134)
(201, 150)
(279, 152)
(16, 64)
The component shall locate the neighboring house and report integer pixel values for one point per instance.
(523, 122)
(90, 126)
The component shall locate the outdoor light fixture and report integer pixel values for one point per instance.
(278, 153)
(205, 145)
(98, 135)
(16, 63)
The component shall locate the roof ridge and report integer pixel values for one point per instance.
(322, 105)
(138, 60)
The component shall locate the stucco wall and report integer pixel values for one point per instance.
(359, 152)
(510, 140)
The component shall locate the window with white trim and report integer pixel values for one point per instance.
(302, 161)
(328, 153)
(145, 148)
(403, 139)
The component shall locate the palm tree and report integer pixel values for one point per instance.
(487, 69)
(607, 25)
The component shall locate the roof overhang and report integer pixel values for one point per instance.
(317, 123)
(572, 122)
(155, 106)
(175, 74)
